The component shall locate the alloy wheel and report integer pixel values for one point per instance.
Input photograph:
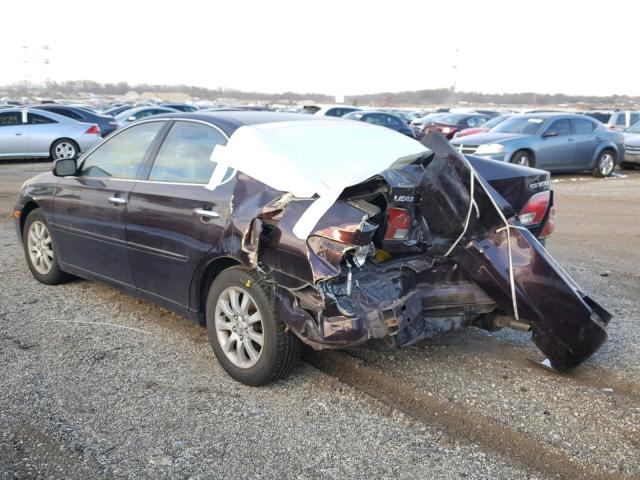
(606, 164)
(40, 247)
(238, 325)
(65, 150)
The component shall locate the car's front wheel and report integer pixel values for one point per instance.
(604, 165)
(39, 250)
(250, 342)
(522, 157)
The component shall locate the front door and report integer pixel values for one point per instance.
(173, 221)
(90, 208)
(14, 139)
(558, 151)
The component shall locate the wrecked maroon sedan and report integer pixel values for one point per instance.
(275, 229)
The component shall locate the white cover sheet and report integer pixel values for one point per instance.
(308, 158)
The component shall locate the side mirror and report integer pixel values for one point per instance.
(549, 133)
(65, 167)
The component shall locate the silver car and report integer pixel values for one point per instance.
(33, 133)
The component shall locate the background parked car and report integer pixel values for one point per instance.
(451, 123)
(553, 141)
(329, 110)
(118, 110)
(137, 113)
(485, 127)
(182, 107)
(33, 133)
(106, 123)
(384, 119)
(419, 125)
(620, 120)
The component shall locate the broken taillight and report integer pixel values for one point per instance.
(535, 209)
(550, 224)
(398, 224)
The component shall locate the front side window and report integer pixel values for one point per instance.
(621, 121)
(8, 119)
(562, 127)
(122, 155)
(185, 154)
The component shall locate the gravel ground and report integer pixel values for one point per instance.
(138, 393)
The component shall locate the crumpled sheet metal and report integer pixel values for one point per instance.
(567, 325)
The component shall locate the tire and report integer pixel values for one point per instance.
(523, 157)
(605, 164)
(39, 250)
(280, 349)
(64, 148)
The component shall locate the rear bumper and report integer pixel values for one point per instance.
(387, 305)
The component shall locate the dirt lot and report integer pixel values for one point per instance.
(82, 398)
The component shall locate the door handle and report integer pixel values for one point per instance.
(206, 213)
(18, 134)
(570, 139)
(117, 201)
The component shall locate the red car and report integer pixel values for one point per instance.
(454, 122)
(482, 129)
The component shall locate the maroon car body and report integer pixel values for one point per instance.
(413, 251)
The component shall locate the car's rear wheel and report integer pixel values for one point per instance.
(522, 157)
(605, 164)
(250, 342)
(64, 148)
(39, 250)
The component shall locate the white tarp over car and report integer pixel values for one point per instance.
(308, 158)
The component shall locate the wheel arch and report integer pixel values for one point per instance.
(24, 213)
(203, 279)
(601, 148)
(529, 150)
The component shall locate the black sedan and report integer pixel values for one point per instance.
(274, 229)
(106, 123)
(383, 119)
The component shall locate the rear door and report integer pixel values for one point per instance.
(173, 221)
(42, 132)
(586, 141)
(559, 151)
(14, 139)
(90, 208)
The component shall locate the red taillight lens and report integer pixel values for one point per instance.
(398, 223)
(547, 230)
(535, 209)
(93, 130)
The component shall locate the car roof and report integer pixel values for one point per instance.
(230, 121)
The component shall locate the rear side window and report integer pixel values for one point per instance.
(10, 118)
(583, 127)
(185, 154)
(35, 119)
(67, 113)
(122, 155)
(634, 118)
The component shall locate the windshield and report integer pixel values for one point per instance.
(526, 125)
(494, 121)
(635, 128)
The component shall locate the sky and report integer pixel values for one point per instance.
(339, 48)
